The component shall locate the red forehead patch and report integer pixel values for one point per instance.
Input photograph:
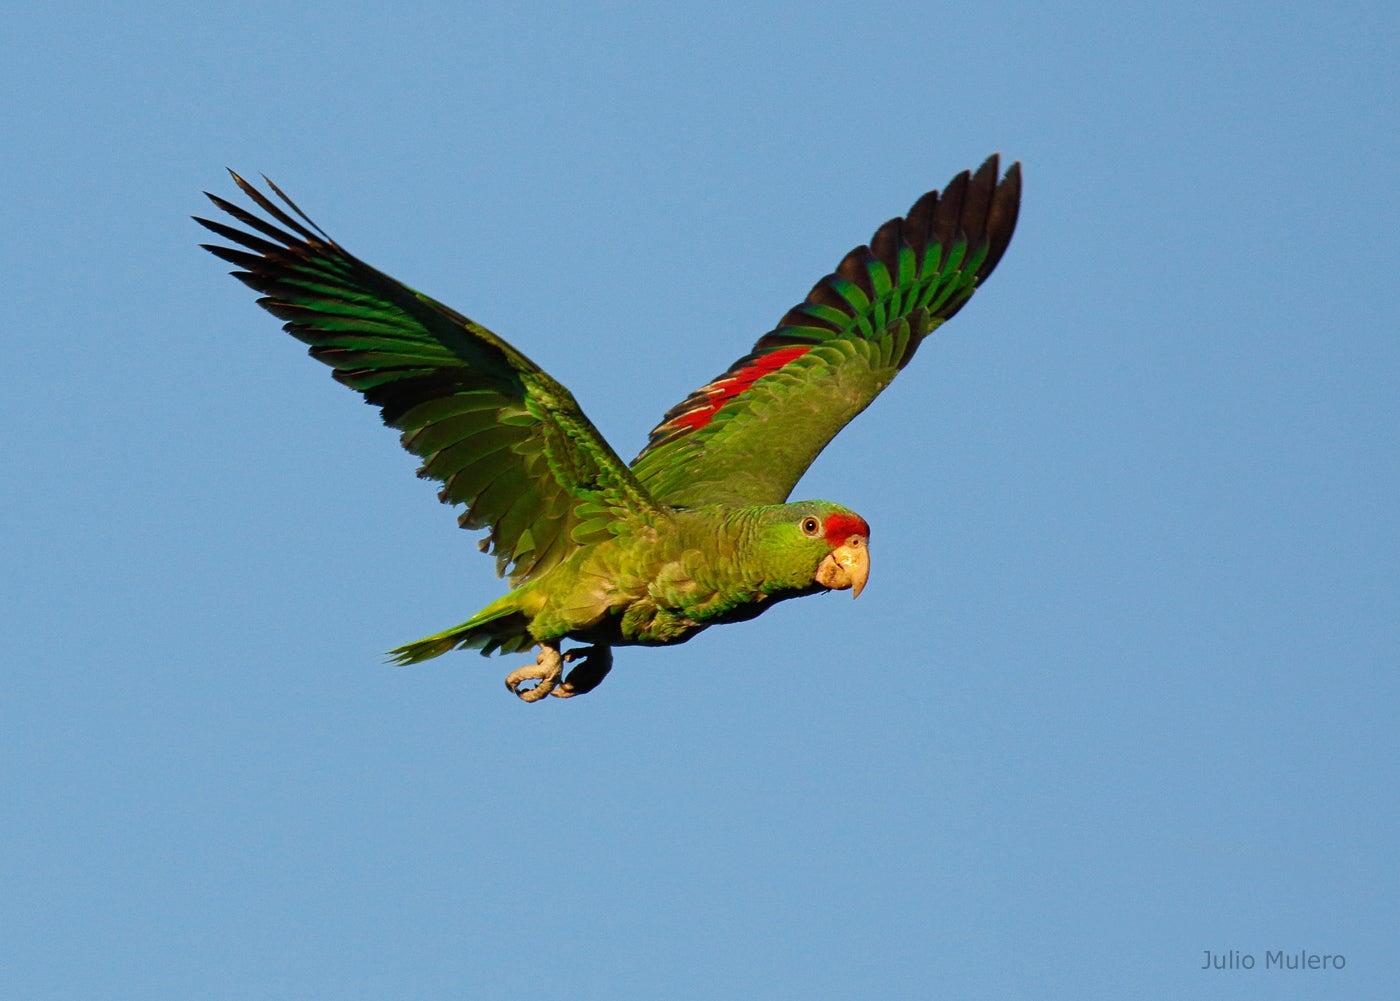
(840, 526)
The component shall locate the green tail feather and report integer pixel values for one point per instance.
(499, 626)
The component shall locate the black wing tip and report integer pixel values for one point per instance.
(1002, 211)
(992, 165)
(302, 225)
(243, 185)
(979, 206)
(988, 175)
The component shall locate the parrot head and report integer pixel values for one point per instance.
(817, 543)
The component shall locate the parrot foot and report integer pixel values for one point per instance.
(547, 669)
(596, 662)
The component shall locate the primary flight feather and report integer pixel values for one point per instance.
(697, 530)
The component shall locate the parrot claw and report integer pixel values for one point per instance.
(596, 662)
(547, 669)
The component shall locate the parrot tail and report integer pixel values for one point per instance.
(499, 626)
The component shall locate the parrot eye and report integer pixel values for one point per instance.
(810, 526)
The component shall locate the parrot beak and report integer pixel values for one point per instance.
(846, 566)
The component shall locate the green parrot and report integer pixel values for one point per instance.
(697, 530)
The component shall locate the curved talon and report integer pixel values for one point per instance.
(594, 664)
(547, 668)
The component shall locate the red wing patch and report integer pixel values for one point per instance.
(702, 405)
(841, 526)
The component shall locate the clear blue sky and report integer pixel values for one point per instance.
(1123, 687)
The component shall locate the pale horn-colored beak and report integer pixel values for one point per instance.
(846, 566)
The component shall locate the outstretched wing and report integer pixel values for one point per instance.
(750, 434)
(502, 436)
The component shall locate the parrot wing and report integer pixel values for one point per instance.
(747, 436)
(501, 436)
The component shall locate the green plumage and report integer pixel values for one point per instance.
(695, 532)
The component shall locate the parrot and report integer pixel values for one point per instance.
(698, 529)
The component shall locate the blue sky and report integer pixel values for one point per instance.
(1122, 688)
